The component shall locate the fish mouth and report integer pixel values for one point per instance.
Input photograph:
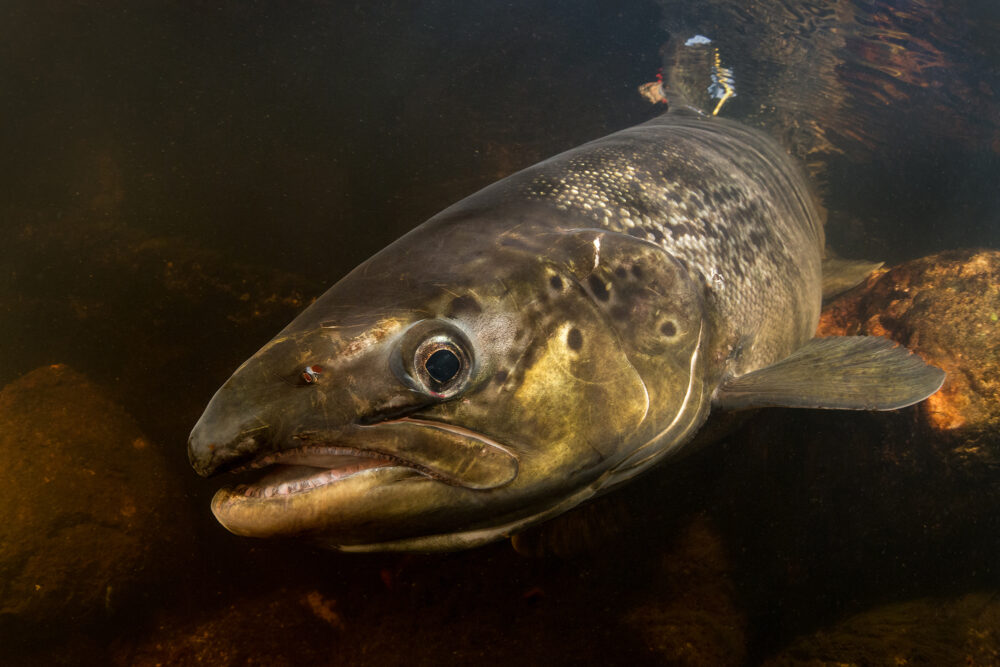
(308, 467)
(435, 450)
(347, 482)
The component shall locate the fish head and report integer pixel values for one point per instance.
(422, 407)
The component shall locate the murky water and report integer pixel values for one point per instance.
(182, 178)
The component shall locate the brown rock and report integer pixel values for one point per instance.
(958, 631)
(282, 627)
(834, 512)
(87, 511)
(698, 621)
(945, 308)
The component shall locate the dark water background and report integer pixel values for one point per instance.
(300, 137)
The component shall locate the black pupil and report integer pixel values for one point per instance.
(443, 365)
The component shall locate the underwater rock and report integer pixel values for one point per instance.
(958, 631)
(945, 308)
(87, 511)
(157, 320)
(282, 627)
(488, 606)
(697, 622)
(834, 513)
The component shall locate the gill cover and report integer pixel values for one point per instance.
(653, 307)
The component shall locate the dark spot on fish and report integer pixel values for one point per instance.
(621, 272)
(500, 377)
(757, 239)
(668, 328)
(464, 305)
(657, 234)
(598, 287)
(574, 339)
(556, 282)
(619, 312)
(636, 232)
(637, 271)
(677, 229)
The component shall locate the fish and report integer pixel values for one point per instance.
(541, 342)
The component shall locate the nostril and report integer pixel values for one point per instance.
(311, 374)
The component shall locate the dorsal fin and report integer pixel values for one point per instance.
(695, 76)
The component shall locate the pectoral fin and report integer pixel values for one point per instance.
(843, 373)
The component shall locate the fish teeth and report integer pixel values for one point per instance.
(320, 478)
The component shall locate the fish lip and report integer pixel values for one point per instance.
(450, 428)
(258, 491)
(319, 443)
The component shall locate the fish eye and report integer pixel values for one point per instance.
(434, 357)
(442, 365)
(439, 363)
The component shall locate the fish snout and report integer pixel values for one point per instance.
(210, 456)
(225, 437)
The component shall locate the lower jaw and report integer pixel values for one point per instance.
(348, 508)
(287, 480)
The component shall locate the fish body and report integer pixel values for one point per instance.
(542, 341)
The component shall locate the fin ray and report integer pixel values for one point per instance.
(841, 373)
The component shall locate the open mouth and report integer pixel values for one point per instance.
(352, 478)
(310, 467)
(415, 448)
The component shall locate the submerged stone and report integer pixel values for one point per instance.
(954, 631)
(855, 509)
(697, 621)
(284, 627)
(944, 307)
(87, 514)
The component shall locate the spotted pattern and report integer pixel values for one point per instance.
(721, 198)
(574, 339)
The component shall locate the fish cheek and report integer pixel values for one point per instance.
(578, 400)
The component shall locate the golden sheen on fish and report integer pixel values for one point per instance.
(542, 341)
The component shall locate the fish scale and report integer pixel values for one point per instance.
(719, 212)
